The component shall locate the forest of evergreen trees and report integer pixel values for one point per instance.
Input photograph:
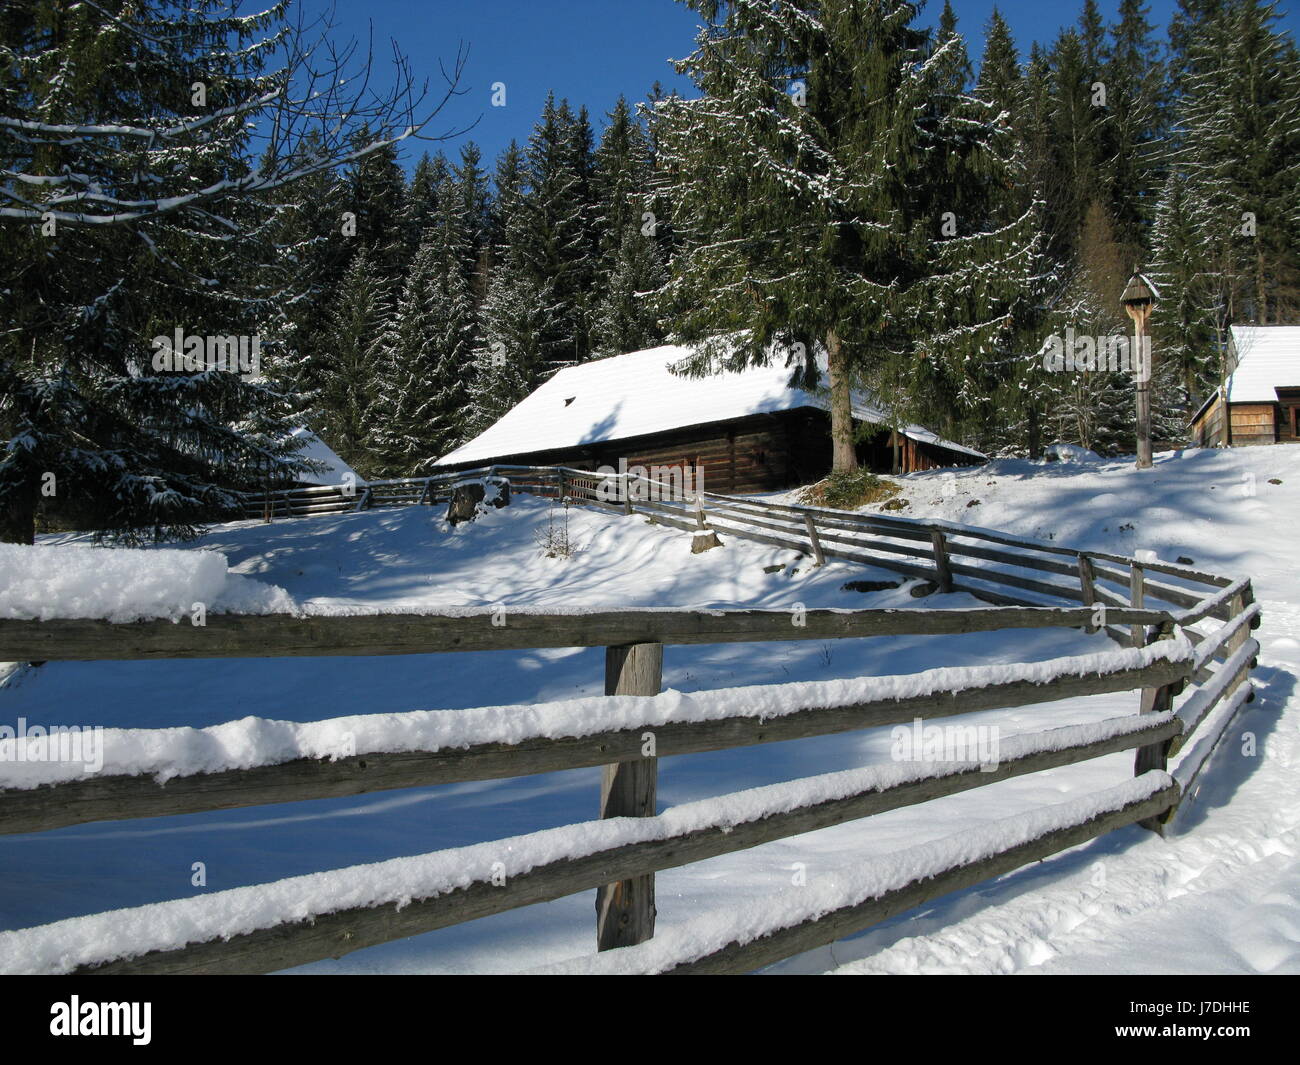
(433, 304)
(463, 289)
(843, 177)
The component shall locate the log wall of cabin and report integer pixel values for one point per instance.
(1253, 423)
(1288, 422)
(1207, 430)
(745, 458)
(758, 454)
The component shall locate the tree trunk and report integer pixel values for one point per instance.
(843, 455)
(1035, 434)
(18, 522)
(1261, 292)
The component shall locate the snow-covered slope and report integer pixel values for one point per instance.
(1222, 892)
(1219, 892)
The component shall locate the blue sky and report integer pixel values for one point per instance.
(593, 50)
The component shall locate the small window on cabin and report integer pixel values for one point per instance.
(569, 400)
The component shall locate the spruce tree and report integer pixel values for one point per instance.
(556, 237)
(950, 53)
(421, 200)
(1240, 148)
(625, 316)
(999, 80)
(421, 408)
(471, 186)
(1134, 77)
(1079, 139)
(621, 179)
(362, 356)
(629, 267)
(1094, 407)
(1188, 328)
(828, 184)
(377, 196)
(137, 204)
(516, 310)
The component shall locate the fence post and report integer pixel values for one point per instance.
(627, 494)
(941, 560)
(1156, 701)
(1238, 640)
(1137, 597)
(625, 910)
(1086, 578)
(814, 539)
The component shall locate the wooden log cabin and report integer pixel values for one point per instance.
(747, 431)
(1259, 400)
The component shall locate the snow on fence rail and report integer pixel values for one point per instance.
(290, 922)
(161, 772)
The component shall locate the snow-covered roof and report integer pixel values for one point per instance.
(336, 470)
(1267, 358)
(636, 394)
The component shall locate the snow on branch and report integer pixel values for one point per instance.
(315, 111)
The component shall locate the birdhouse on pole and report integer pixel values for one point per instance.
(1139, 298)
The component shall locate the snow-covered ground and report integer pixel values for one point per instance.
(1219, 892)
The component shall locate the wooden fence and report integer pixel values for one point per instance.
(1185, 649)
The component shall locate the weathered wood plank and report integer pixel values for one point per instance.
(1227, 604)
(941, 566)
(1224, 681)
(828, 519)
(1227, 638)
(747, 957)
(280, 635)
(1188, 774)
(334, 934)
(814, 539)
(625, 909)
(1171, 569)
(112, 798)
(1060, 591)
(1155, 699)
(1137, 597)
(1087, 581)
(1009, 558)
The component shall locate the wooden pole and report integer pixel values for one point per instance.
(1086, 578)
(1155, 756)
(1139, 313)
(1237, 640)
(1137, 595)
(625, 910)
(941, 560)
(814, 539)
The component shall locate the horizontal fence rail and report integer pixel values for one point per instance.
(283, 635)
(113, 796)
(1185, 648)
